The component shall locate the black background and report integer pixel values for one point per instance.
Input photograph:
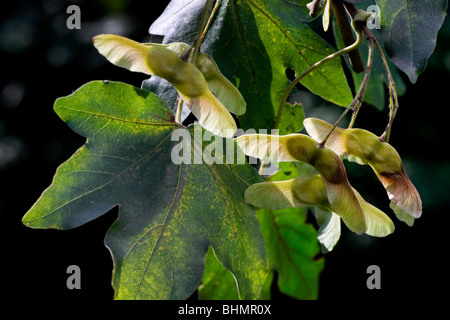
(43, 60)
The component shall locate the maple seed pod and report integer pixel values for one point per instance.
(300, 147)
(367, 148)
(303, 191)
(159, 61)
(222, 88)
(310, 190)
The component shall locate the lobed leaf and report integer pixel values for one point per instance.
(170, 214)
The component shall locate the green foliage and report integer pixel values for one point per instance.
(186, 225)
(169, 214)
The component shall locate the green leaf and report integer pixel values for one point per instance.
(292, 247)
(170, 214)
(292, 119)
(217, 283)
(291, 251)
(290, 170)
(253, 42)
(410, 29)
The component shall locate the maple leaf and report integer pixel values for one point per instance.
(170, 214)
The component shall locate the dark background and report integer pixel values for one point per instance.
(43, 60)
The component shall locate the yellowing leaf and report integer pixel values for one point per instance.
(170, 213)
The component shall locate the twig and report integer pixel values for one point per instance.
(198, 38)
(359, 97)
(314, 8)
(347, 35)
(393, 98)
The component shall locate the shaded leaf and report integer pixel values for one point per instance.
(170, 214)
(410, 29)
(290, 170)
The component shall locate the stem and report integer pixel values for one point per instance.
(358, 42)
(363, 85)
(354, 114)
(393, 98)
(191, 54)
